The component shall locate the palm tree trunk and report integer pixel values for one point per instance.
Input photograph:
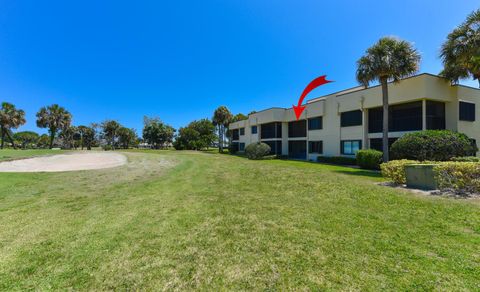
(220, 138)
(52, 137)
(11, 140)
(3, 138)
(384, 83)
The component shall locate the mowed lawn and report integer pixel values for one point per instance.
(187, 220)
(11, 154)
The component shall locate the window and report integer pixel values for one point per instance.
(271, 130)
(315, 123)
(254, 129)
(467, 111)
(435, 115)
(275, 147)
(235, 134)
(297, 149)
(297, 129)
(234, 147)
(241, 147)
(242, 131)
(351, 118)
(315, 147)
(350, 147)
(377, 143)
(401, 117)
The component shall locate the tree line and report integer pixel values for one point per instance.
(110, 134)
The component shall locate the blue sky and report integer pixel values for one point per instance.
(179, 60)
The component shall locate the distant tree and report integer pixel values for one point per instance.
(55, 118)
(110, 131)
(10, 118)
(126, 137)
(26, 138)
(239, 117)
(460, 53)
(87, 136)
(43, 141)
(156, 133)
(206, 131)
(69, 135)
(197, 135)
(252, 112)
(221, 118)
(390, 59)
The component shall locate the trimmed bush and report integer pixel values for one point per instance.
(257, 150)
(466, 159)
(341, 160)
(458, 177)
(369, 158)
(434, 145)
(395, 170)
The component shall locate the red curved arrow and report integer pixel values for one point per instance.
(311, 86)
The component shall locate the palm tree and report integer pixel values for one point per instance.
(390, 59)
(10, 118)
(221, 118)
(460, 53)
(55, 118)
(110, 131)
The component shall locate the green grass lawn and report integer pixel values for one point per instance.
(187, 220)
(11, 154)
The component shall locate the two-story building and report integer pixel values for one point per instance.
(341, 123)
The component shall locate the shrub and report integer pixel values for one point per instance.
(107, 147)
(257, 150)
(466, 159)
(369, 158)
(395, 170)
(341, 160)
(458, 177)
(434, 145)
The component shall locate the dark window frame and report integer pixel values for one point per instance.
(351, 118)
(311, 147)
(242, 131)
(271, 130)
(241, 146)
(254, 131)
(297, 129)
(342, 143)
(397, 120)
(235, 135)
(466, 111)
(315, 126)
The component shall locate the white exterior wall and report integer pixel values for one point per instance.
(418, 88)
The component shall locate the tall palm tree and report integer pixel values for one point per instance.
(460, 53)
(110, 131)
(221, 118)
(10, 118)
(55, 118)
(390, 59)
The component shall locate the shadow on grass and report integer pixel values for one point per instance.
(364, 173)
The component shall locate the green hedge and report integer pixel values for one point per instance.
(466, 159)
(369, 158)
(458, 177)
(257, 150)
(433, 145)
(341, 160)
(394, 170)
